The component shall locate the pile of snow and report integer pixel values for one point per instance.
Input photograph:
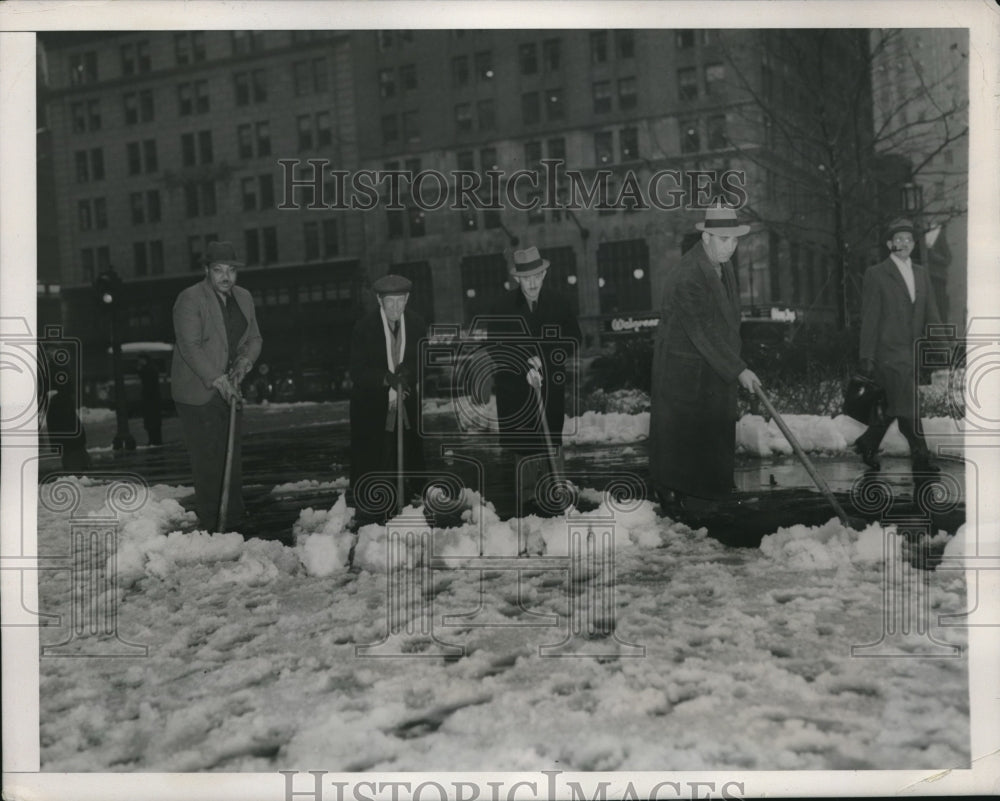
(830, 546)
(609, 427)
(88, 415)
(310, 485)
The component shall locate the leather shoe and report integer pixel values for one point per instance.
(868, 454)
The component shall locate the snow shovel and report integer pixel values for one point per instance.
(399, 451)
(548, 435)
(227, 472)
(815, 476)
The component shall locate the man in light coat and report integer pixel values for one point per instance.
(217, 343)
(897, 302)
(696, 371)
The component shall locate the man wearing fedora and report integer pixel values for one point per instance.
(897, 301)
(217, 342)
(697, 369)
(529, 331)
(384, 372)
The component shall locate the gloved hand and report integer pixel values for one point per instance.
(226, 388)
(867, 368)
(397, 381)
(748, 380)
(534, 376)
(239, 370)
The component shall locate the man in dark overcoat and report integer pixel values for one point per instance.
(384, 371)
(534, 338)
(897, 302)
(218, 341)
(696, 370)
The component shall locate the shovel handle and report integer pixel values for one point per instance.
(227, 473)
(813, 474)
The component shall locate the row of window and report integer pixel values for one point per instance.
(687, 81)
(189, 48)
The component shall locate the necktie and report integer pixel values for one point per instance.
(531, 305)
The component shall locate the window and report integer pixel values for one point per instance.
(465, 160)
(408, 77)
(557, 148)
(625, 43)
(532, 155)
(320, 239)
(78, 114)
(460, 71)
(97, 164)
(89, 165)
(530, 108)
(261, 245)
(687, 83)
(309, 77)
(484, 65)
(310, 239)
(411, 126)
(94, 261)
(627, 94)
(395, 224)
(133, 156)
(83, 68)
(94, 114)
(137, 207)
(138, 106)
(690, 137)
(554, 108)
(629, 143)
(139, 258)
(199, 199)
(250, 87)
(717, 132)
(390, 128)
(416, 219)
(602, 97)
(189, 46)
(84, 215)
(135, 58)
(552, 54)
(197, 245)
(486, 115)
(603, 148)
(131, 105)
(463, 117)
(100, 213)
(598, 47)
(527, 55)
(196, 148)
(386, 83)
(305, 128)
(247, 42)
(684, 39)
(715, 77)
(192, 98)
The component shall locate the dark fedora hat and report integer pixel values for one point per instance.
(392, 285)
(221, 253)
(528, 262)
(722, 221)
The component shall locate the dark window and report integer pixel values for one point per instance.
(324, 134)
(486, 114)
(530, 108)
(142, 56)
(603, 148)
(146, 105)
(687, 83)
(259, 86)
(552, 54)
(411, 126)
(395, 223)
(205, 147)
(304, 125)
(627, 94)
(528, 58)
(185, 100)
(684, 39)
(557, 148)
(598, 47)
(629, 140)
(133, 155)
(717, 132)
(310, 237)
(690, 136)
(156, 257)
(459, 70)
(94, 114)
(715, 78)
(188, 154)
(386, 83)
(244, 137)
(623, 276)
(331, 238)
(625, 42)
(416, 219)
(463, 117)
(465, 160)
(153, 205)
(408, 77)
(532, 155)
(139, 258)
(302, 77)
(82, 166)
(241, 83)
(131, 106)
(87, 263)
(390, 128)
(83, 209)
(137, 208)
(554, 108)
(484, 65)
(100, 213)
(251, 246)
(83, 68)
(79, 116)
(263, 130)
(602, 96)
(270, 235)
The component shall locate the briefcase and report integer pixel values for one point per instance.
(864, 400)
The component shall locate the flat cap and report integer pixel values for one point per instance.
(899, 225)
(392, 285)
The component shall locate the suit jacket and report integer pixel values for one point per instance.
(696, 362)
(370, 395)
(201, 352)
(515, 334)
(890, 325)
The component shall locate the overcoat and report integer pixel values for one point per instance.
(890, 325)
(696, 363)
(515, 334)
(370, 396)
(202, 349)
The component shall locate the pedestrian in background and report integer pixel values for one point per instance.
(149, 380)
(897, 302)
(534, 338)
(697, 370)
(384, 372)
(217, 343)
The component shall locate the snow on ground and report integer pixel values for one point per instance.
(310, 485)
(252, 662)
(88, 415)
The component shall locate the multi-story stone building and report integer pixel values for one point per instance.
(163, 141)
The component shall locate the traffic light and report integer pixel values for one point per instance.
(107, 288)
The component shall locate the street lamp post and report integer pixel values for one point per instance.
(109, 295)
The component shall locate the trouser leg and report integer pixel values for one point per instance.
(920, 455)
(206, 432)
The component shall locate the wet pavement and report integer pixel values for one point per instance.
(311, 442)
